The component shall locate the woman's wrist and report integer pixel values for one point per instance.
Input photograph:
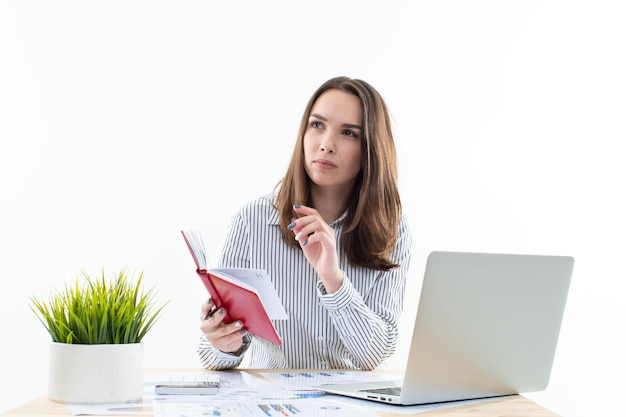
(333, 283)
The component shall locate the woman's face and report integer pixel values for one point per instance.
(332, 141)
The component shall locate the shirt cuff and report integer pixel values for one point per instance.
(244, 346)
(340, 299)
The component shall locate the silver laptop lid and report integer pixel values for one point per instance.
(487, 324)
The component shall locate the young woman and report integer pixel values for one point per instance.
(332, 237)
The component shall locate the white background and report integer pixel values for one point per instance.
(122, 122)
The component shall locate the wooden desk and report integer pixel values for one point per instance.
(515, 405)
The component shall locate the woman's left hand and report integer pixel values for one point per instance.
(318, 243)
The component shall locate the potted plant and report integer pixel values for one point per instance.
(97, 327)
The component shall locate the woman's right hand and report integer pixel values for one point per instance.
(225, 337)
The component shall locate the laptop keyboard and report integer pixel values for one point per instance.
(386, 391)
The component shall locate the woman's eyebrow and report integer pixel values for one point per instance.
(351, 126)
(346, 125)
(319, 116)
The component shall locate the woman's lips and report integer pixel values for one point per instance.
(324, 164)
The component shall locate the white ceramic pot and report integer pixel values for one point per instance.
(95, 374)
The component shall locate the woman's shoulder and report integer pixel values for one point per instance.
(404, 230)
(404, 221)
(261, 207)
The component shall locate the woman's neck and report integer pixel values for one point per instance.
(329, 203)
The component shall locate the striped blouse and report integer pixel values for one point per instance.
(354, 328)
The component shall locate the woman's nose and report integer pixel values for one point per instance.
(327, 144)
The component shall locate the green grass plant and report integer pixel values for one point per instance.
(99, 310)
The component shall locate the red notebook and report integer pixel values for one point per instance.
(248, 295)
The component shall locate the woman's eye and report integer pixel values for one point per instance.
(349, 133)
(317, 125)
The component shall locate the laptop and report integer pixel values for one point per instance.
(487, 325)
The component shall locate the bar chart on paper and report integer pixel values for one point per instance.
(312, 407)
(303, 380)
(282, 409)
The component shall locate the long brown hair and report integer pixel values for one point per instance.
(374, 209)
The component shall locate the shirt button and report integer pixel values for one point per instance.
(320, 338)
(324, 363)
